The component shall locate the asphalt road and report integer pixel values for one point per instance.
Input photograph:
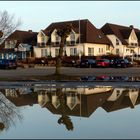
(43, 71)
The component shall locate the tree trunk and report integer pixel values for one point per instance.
(60, 56)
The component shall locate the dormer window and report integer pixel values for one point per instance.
(72, 38)
(57, 38)
(117, 42)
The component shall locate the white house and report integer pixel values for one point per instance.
(84, 39)
(125, 40)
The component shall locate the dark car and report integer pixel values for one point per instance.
(123, 63)
(103, 63)
(88, 63)
(8, 64)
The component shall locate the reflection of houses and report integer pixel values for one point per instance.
(84, 39)
(64, 101)
(19, 44)
(17, 97)
(73, 103)
(126, 40)
(122, 98)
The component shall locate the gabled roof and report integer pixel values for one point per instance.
(122, 32)
(122, 102)
(138, 35)
(89, 33)
(28, 37)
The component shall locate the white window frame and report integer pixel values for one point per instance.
(56, 52)
(90, 51)
(44, 53)
(73, 51)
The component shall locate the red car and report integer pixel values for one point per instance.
(103, 63)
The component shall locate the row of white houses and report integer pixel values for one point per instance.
(84, 39)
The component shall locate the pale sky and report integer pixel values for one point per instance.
(37, 15)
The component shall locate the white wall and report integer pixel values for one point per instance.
(81, 49)
(37, 52)
(96, 47)
(120, 47)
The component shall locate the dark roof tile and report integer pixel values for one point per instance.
(28, 37)
(89, 33)
(122, 32)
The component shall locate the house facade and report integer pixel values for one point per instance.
(18, 45)
(84, 39)
(125, 40)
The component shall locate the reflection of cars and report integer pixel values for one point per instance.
(88, 78)
(120, 78)
(8, 64)
(123, 63)
(88, 63)
(103, 63)
(103, 77)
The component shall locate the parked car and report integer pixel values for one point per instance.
(123, 63)
(8, 64)
(68, 62)
(88, 63)
(103, 63)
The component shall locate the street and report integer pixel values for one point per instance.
(71, 71)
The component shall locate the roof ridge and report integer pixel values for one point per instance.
(69, 21)
(24, 31)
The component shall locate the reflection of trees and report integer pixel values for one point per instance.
(64, 119)
(8, 112)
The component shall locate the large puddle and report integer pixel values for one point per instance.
(58, 111)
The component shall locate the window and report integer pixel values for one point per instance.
(127, 50)
(102, 50)
(117, 51)
(72, 37)
(57, 38)
(56, 52)
(132, 51)
(117, 42)
(7, 44)
(42, 39)
(90, 51)
(107, 48)
(44, 53)
(73, 51)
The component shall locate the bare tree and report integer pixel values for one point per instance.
(8, 24)
(8, 113)
(63, 33)
(64, 119)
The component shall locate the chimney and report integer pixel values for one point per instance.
(30, 31)
(131, 26)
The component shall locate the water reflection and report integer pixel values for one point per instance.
(8, 112)
(110, 78)
(67, 102)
